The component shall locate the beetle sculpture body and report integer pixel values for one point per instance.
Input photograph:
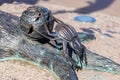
(70, 38)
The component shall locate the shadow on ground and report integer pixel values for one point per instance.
(20, 1)
(92, 7)
(92, 31)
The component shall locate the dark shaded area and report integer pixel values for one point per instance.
(112, 32)
(87, 30)
(91, 31)
(108, 35)
(92, 7)
(20, 1)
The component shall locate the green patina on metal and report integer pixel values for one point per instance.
(84, 37)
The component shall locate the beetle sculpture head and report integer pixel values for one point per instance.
(34, 19)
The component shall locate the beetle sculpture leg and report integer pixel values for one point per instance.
(84, 55)
(81, 57)
(71, 61)
(65, 47)
(45, 25)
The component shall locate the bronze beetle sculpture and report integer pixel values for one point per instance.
(38, 22)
